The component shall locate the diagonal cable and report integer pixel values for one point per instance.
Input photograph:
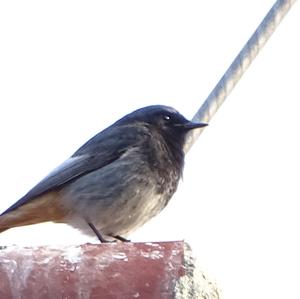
(240, 64)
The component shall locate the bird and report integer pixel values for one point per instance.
(115, 182)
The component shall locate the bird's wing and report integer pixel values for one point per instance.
(101, 150)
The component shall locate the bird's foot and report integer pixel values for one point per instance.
(120, 238)
(99, 236)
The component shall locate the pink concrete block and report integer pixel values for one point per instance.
(109, 271)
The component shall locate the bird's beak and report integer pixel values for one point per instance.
(191, 125)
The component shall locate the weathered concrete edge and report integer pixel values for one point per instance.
(195, 284)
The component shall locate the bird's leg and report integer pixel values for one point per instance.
(120, 238)
(97, 233)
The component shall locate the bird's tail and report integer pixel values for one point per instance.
(44, 208)
(14, 219)
(3, 229)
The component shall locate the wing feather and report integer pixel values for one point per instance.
(103, 149)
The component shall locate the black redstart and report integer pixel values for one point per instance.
(116, 181)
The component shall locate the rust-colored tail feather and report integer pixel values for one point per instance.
(44, 208)
(3, 229)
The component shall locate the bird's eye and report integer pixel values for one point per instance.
(167, 117)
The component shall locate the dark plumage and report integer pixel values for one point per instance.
(116, 181)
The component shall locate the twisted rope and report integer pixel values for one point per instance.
(240, 64)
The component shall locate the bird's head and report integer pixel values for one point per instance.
(165, 120)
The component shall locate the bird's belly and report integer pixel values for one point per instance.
(132, 213)
(118, 206)
(121, 215)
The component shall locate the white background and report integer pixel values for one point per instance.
(68, 69)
